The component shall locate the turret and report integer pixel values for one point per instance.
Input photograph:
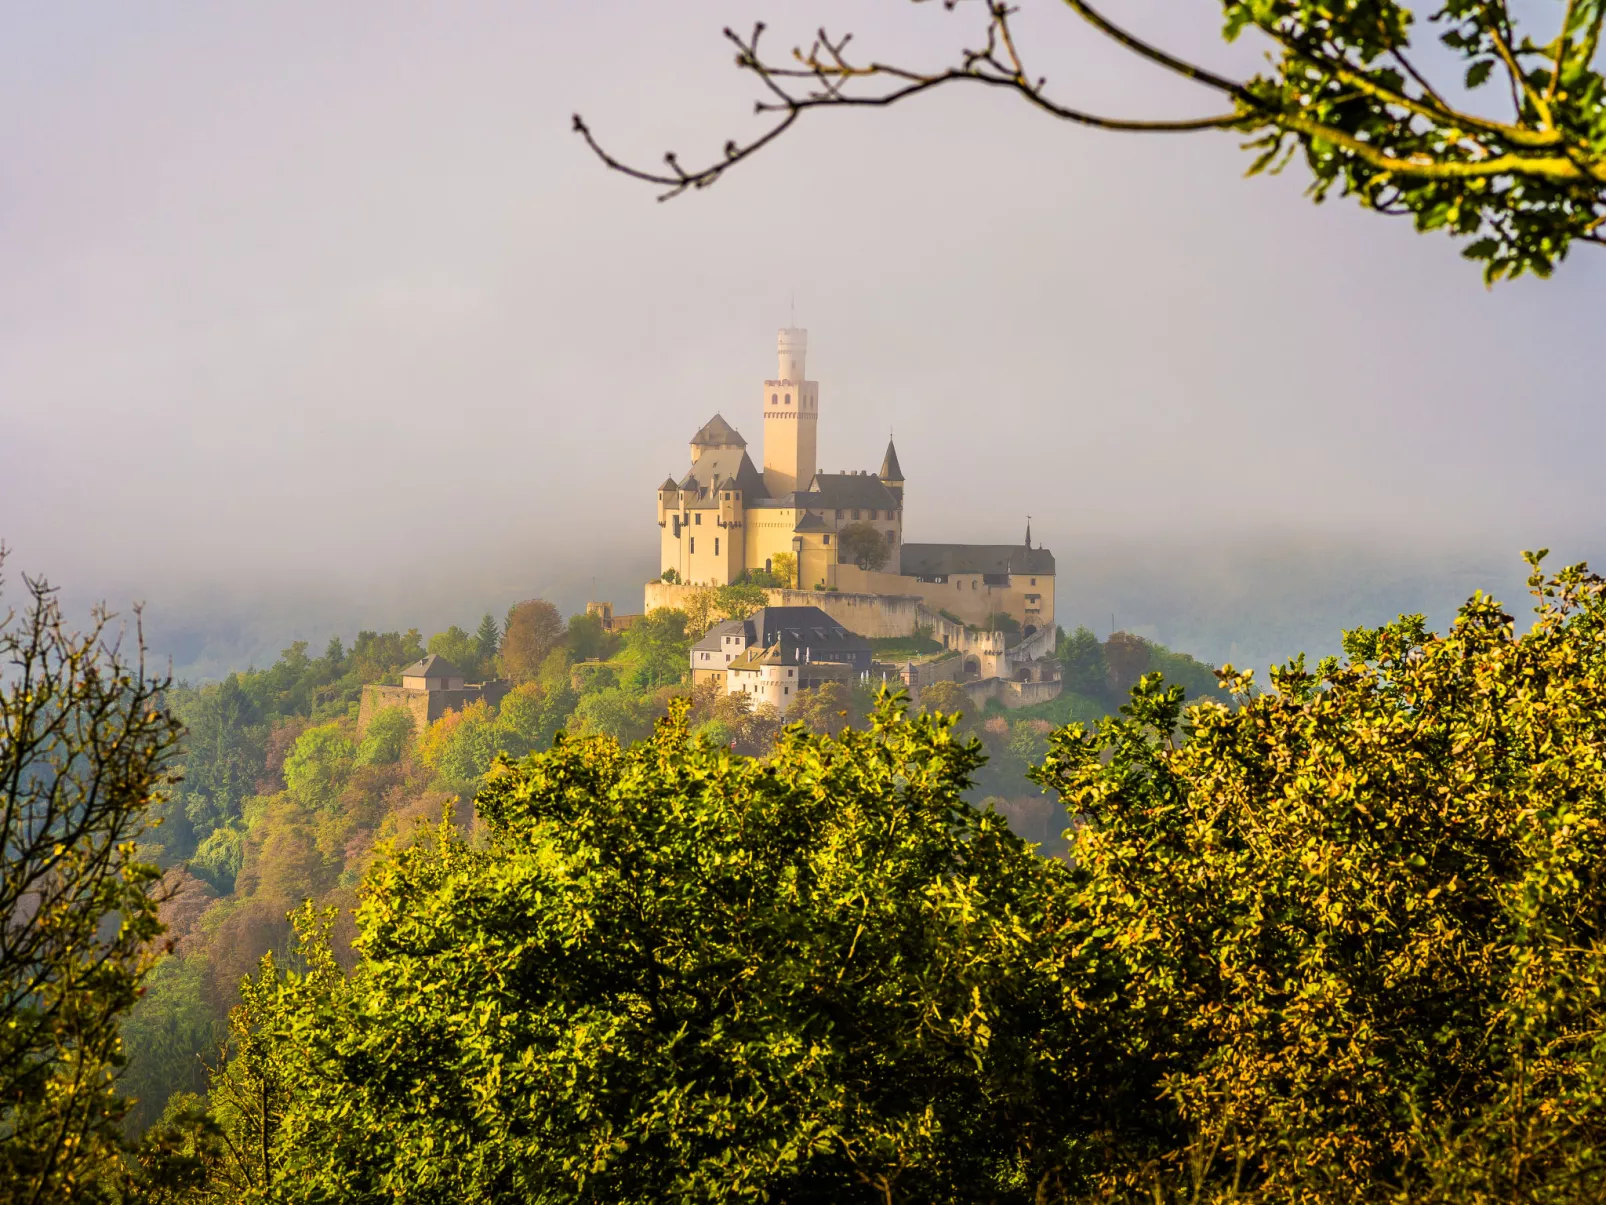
(891, 473)
(730, 505)
(668, 500)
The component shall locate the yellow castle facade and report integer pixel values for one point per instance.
(725, 518)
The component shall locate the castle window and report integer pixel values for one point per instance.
(789, 399)
(875, 514)
(827, 539)
(855, 514)
(698, 518)
(767, 568)
(774, 398)
(716, 545)
(694, 543)
(1034, 581)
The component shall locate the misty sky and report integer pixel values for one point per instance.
(314, 315)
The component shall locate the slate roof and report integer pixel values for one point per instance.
(717, 433)
(714, 640)
(809, 521)
(718, 465)
(890, 470)
(432, 666)
(669, 484)
(935, 560)
(844, 490)
(796, 632)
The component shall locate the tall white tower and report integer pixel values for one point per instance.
(791, 417)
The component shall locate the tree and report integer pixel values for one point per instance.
(487, 642)
(461, 649)
(532, 714)
(85, 748)
(949, 698)
(387, 736)
(1082, 665)
(1360, 919)
(828, 708)
(377, 656)
(862, 544)
(534, 628)
(587, 640)
(1343, 90)
(783, 567)
(659, 646)
(1127, 659)
(319, 765)
(822, 977)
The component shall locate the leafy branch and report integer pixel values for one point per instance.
(1341, 89)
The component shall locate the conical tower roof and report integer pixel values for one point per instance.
(890, 469)
(669, 484)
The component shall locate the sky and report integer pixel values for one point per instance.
(316, 317)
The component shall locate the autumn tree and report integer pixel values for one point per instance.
(533, 629)
(1360, 918)
(85, 746)
(696, 976)
(863, 545)
(783, 567)
(1372, 100)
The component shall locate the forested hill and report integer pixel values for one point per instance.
(283, 800)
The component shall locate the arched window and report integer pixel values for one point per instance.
(767, 568)
(774, 398)
(789, 399)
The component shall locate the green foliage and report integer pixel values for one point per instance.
(1359, 920)
(658, 648)
(172, 1032)
(487, 643)
(376, 657)
(85, 748)
(460, 648)
(617, 713)
(532, 715)
(1082, 666)
(861, 544)
(1519, 173)
(219, 858)
(1001, 621)
(783, 567)
(587, 641)
(672, 576)
(700, 977)
(319, 765)
(901, 648)
(386, 739)
(591, 676)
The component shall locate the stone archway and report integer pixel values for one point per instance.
(972, 667)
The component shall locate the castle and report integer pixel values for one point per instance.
(725, 518)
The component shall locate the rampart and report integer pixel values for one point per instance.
(427, 706)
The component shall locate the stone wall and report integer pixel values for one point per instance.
(426, 706)
(1011, 694)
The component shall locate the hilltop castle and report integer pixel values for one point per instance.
(725, 518)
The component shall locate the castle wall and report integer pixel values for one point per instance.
(1011, 694)
(426, 706)
(964, 594)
